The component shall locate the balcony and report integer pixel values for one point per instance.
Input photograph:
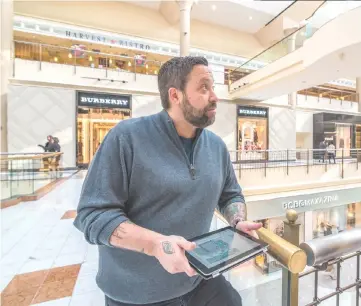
(281, 168)
(307, 57)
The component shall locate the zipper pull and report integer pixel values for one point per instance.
(193, 171)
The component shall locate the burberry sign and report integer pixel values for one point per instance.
(103, 100)
(248, 111)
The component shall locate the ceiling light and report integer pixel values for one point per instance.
(90, 58)
(250, 17)
(70, 55)
(55, 59)
(213, 7)
(155, 72)
(129, 64)
(146, 66)
(110, 61)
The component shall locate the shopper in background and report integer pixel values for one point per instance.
(322, 147)
(46, 149)
(331, 152)
(47, 144)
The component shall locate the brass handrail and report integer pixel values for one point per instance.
(30, 157)
(287, 254)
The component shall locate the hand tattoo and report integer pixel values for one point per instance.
(167, 247)
(235, 213)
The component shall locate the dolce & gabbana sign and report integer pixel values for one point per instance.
(103, 100)
(249, 111)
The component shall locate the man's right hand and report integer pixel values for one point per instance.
(170, 252)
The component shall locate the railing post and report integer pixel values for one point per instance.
(357, 158)
(75, 62)
(342, 171)
(358, 279)
(106, 67)
(40, 55)
(290, 280)
(308, 161)
(14, 57)
(135, 69)
(287, 159)
(265, 166)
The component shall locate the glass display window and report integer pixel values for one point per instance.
(93, 124)
(336, 219)
(343, 139)
(252, 134)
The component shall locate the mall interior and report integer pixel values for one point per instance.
(288, 78)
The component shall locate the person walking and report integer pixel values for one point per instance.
(331, 152)
(322, 147)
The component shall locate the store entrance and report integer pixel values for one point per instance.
(93, 124)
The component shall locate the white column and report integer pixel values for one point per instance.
(358, 92)
(185, 8)
(6, 36)
(291, 46)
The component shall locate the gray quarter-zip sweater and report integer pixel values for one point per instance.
(141, 172)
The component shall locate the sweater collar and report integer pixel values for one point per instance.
(168, 124)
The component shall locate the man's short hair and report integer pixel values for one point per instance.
(174, 73)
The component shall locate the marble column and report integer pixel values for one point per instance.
(185, 7)
(291, 46)
(358, 92)
(6, 37)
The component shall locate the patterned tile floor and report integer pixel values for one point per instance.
(46, 261)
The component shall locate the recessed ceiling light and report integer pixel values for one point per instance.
(250, 17)
(213, 7)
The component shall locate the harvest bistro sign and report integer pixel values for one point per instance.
(103, 100)
(106, 40)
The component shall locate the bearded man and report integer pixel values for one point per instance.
(154, 183)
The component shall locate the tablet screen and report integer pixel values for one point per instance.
(220, 247)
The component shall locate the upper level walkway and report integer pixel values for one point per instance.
(326, 47)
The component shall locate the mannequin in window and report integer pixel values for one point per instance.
(342, 143)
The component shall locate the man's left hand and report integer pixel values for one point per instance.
(249, 227)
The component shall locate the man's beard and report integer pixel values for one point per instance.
(197, 117)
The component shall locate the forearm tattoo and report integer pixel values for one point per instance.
(235, 212)
(167, 247)
(120, 232)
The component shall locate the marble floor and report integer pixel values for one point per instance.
(46, 261)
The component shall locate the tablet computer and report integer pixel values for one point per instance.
(221, 250)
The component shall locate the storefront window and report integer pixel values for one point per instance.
(343, 139)
(358, 137)
(336, 219)
(97, 114)
(252, 129)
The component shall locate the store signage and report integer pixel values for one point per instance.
(294, 204)
(56, 29)
(103, 100)
(246, 111)
(103, 39)
(277, 206)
